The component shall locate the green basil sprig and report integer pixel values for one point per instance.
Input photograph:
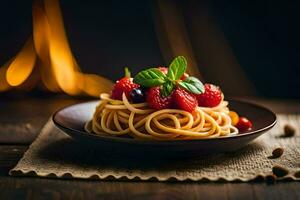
(167, 88)
(154, 77)
(192, 84)
(177, 68)
(150, 78)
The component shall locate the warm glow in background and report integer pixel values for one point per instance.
(247, 48)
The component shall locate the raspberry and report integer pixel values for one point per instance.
(165, 71)
(123, 85)
(211, 97)
(156, 101)
(184, 100)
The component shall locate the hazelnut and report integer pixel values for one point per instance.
(279, 171)
(289, 131)
(276, 153)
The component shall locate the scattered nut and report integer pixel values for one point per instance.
(28, 126)
(297, 174)
(276, 153)
(270, 179)
(289, 131)
(279, 171)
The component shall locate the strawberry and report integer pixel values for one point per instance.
(211, 97)
(156, 101)
(123, 85)
(184, 100)
(165, 71)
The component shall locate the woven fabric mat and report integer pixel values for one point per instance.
(54, 154)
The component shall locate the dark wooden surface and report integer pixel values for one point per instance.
(18, 111)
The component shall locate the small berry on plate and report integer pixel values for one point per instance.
(244, 124)
(184, 100)
(137, 95)
(123, 85)
(156, 101)
(211, 97)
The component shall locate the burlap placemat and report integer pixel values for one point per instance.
(54, 154)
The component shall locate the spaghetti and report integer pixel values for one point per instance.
(122, 118)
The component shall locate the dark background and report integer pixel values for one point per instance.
(108, 35)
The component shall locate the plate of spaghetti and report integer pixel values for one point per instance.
(164, 110)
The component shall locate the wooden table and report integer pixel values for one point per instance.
(27, 114)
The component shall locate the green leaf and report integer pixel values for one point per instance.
(167, 88)
(127, 72)
(192, 85)
(150, 77)
(177, 68)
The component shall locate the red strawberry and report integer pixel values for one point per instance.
(211, 97)
(125, 84)
(156, 101)
(184, 100)
(165, 71)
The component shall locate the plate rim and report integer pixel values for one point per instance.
(166, 142)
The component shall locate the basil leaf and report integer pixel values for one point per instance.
(167, 89)
(177, 68)
(150, 77)
(192, 85)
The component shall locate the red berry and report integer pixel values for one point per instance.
(156, 101)
(123, 85)
(244, 124)
(211, 97)
(184, 100)
(165, 71)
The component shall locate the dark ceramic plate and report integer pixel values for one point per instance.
(71, 120)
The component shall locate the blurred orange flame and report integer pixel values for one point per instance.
(21, 67)
(58, 69)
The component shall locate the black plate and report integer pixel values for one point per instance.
(71, 120)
